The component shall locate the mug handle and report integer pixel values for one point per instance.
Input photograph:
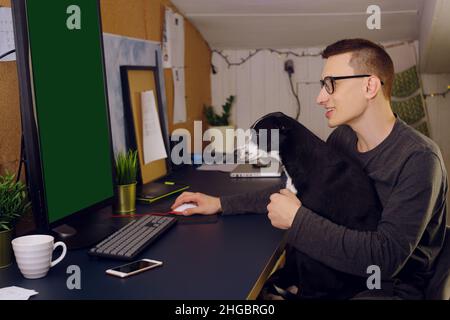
(63, 254)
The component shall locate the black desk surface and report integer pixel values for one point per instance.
(221, 260)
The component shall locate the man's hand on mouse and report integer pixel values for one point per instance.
(282, 209)
(205, 204)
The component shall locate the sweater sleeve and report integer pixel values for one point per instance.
(250, 202)
(417, 194)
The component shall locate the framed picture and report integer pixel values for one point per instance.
(136, 80)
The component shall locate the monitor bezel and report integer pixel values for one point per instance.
(32, 155)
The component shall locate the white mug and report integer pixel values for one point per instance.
(34, 254)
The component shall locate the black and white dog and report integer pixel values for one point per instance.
(332, 185)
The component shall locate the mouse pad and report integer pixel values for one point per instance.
(196, 219)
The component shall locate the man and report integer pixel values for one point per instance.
(406, 167)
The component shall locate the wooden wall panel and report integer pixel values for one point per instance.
(124, 17)
(10, 125)
(10, 130)
(132, 18)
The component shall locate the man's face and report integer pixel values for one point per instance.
(347, 102)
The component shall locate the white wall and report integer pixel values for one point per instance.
(439, 114)
(434, 35)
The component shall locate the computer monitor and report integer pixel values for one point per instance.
(64, 108)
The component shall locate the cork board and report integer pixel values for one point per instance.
(10, 130)
(134, 81)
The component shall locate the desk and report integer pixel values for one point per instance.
(229, 259)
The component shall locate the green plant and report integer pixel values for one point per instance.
(13, 201)
(214, 119)
(126, 167)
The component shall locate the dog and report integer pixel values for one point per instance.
(330, 184)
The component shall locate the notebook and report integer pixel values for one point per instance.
(154, 191)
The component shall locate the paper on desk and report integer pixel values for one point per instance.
(154, 148)
(16, 293)
(6, 34)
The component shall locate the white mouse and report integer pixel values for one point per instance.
(185, 206)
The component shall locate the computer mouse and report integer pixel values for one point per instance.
(185, 206)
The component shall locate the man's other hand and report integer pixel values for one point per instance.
(282, 209)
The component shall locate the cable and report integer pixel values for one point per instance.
(290, 69)
(7, 54)
(296, 97)
(21, 160)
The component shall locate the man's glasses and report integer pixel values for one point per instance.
(330, 82)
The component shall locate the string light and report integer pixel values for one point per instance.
(440, 94)
(287, 53)
(253, 53)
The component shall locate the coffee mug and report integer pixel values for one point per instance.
(34, 254)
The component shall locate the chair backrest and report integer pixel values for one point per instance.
(439, 285)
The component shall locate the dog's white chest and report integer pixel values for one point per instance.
(289, 185)
(251, 152)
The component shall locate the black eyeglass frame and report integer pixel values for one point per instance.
(334, 79)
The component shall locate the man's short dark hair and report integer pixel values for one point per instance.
(367, 57)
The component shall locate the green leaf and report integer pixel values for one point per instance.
(13, 201)
(126, 167)
(214, 119)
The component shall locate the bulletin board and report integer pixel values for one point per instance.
(137, 79)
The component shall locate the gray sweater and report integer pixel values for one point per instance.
(411, 181)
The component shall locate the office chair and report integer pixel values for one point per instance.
(439, 285)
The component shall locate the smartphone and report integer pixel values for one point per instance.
(132, 268)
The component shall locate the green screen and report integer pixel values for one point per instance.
(71, 106)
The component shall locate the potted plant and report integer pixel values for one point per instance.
(13, 204)
(221, 123)
(126, 172)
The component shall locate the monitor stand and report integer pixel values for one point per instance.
(64, 231)
(84, 232)
(82, 237)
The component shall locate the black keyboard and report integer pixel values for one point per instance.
(130, 240)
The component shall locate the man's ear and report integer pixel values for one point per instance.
(372, 85)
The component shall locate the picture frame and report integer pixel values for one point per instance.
(135, 80)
